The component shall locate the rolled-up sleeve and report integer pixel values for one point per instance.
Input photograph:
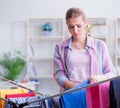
(59, 71)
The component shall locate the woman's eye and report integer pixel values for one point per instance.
(70, 27)
(78, 25)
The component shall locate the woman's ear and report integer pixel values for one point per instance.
(86, 23)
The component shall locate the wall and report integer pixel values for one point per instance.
(14, 14)
(19, 10)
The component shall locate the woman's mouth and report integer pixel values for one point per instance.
(75, 34)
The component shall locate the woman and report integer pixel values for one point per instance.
(81, 57)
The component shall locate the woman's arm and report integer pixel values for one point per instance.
(59, 71)
(108, 68)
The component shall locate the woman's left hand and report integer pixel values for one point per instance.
(97, 78)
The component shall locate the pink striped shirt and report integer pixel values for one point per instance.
(100, 61)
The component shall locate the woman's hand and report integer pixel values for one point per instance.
(97, 78)
(68, 84)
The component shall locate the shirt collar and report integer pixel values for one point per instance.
(90, 42)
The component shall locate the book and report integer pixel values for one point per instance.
(31, 51)
(33, 69)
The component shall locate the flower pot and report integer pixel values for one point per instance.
(46, 33)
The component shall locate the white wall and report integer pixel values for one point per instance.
(19, 10)
(15, 13)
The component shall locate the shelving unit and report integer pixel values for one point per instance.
(40, 48)
(99, 28)
(40, 51)
(117, 59)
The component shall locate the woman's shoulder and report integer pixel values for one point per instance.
(101, 44)
(64, 43)
(99, 41)
(95, 42)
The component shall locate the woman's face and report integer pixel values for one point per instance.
(76, 26)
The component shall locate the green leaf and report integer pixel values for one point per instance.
(12, 65)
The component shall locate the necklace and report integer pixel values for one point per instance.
(78, 45)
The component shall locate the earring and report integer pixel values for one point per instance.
(88, 28)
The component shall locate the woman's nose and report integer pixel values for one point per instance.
(75, 29)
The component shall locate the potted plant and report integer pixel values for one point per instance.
(47, 28)
(12, 65)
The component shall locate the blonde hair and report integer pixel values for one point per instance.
(75, 12)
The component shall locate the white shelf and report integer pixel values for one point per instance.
(43, 46)
(99, 28)
(118, 38)
(40, 58)
(118, 57)
(102, 36)
(40, 50)
(117, 43)
(45, 38)
(97, 21)
(36, 24)
(41, 77)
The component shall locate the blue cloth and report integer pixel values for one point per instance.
(75, 99)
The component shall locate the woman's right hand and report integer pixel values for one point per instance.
(69, 84)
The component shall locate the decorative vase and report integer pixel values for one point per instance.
(46, 33)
